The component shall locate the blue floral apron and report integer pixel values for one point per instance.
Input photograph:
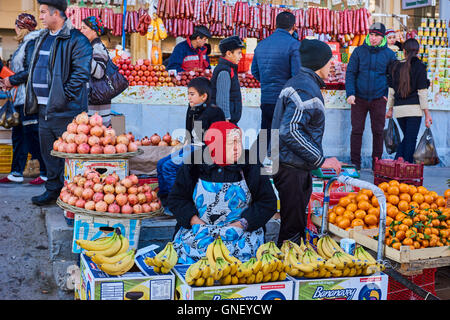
(218, 204)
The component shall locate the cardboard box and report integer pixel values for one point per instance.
(90, 228)
(373, 287)
(133, 285)
(73, 167)
(279, 290)
(118, 123)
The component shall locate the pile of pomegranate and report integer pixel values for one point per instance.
(88, 135)
(156, 140)
(183, 78)
(144, 73)
(110, 194)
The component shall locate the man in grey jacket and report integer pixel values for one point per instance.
(300, 119)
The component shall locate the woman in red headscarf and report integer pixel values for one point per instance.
(223, 195)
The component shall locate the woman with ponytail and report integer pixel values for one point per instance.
(408, 98)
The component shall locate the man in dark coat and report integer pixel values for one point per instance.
(57, 86)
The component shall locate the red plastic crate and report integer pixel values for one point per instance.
(245, 62)
(379, 179)
(398, 169)
(397, 291)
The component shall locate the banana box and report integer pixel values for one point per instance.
(133, 285)
(373, 287)
(277, 290)
(72, 167)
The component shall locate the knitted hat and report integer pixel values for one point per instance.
(314, 54)
(230, 44)
(216, 140)
(26, 21)
(378, 28)
(389, 31)
(95, 24)
(285, 20)
(58, 4)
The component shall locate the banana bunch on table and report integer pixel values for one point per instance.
(164, 261)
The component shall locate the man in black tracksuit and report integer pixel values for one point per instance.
(226, 89)
(57, 86)
(300, 119)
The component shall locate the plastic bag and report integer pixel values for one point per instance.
(426, 150)
(391, 137)
(9, 117)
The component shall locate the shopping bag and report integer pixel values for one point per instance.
(9, 117)
(426, 150)
(391, 137)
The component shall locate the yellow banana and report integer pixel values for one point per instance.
(189, 278)
(352, 272)
(210, 255)
(282, 276)
(319, 248)
(109, 252)
(267, 277)
(119, 267)
(234, 280)
(99, 259)
(217, 249)
(209, 281)
(322, 272)
(125, 244)
(346, 271)
(226, 280)
(275, 276)
(336, 273)
(251, 279)
(96, 245)
(196, 271)
(259, 277)
(149, 261)
(327, 250)
(227, 254)
(256, 266)
(313, 274)
(199, 282)
(260, 250)
(274, 250)
(157, 269)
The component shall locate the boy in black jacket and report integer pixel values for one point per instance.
(199, 117)
(226, 89)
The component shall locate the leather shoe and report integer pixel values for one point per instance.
(47, 197)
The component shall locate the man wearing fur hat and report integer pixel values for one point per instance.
(57, 86)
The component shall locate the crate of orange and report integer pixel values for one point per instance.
(399, 170)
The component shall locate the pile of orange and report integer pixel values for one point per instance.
(415, 216)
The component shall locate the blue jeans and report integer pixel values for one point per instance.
(410, 128)
(167, 169)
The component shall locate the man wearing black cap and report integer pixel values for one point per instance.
(191, 54)
(57, 86)
(275, 61)
(226, 90)
(299, 118)
(367, 88)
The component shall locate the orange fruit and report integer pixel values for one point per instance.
(428, 198)
(405, 196)
(422, 190)
(403, 205)
(440, 201)
(367, 192)
(433, 206)
(416, 244)
(424, 205)
(344, 223)
(412, 190)
(414, 204)
(349, 215)
(360, 214)
(389, 220)
(400, 216)
(362, 197)
(332, 217)
(407, 221)
(403, 227)
(394, 183)
(397, 245)
(344, 202)
(392, 211)
(374, 211)
(352, 207)
(371, 219)
(383, 186)
(339, 210)
(393, 190)
(434, 194)
(393, 199)
(404, 188)
(338, 219)
(364, 205)
(407, 241)
(374, 202)
(357, 222)
(425, 243)
(400, 235)
(418, 197)
(447, 193)
(435, 222)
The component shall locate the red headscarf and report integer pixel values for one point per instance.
(216, 138)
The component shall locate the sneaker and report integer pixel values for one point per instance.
(46, 198)
(11, 179)
(39, 180)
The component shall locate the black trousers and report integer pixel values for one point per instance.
(262, 142)
(294, 188)
(410, 127)
(49, 131)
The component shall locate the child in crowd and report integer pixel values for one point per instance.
(226, 91)
(199, 117)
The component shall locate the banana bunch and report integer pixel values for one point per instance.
(287, 244)
(111, 254)
(165, 260)
(200, 273)
(223, 264)
(371, 265)
(272, 248)
(327, 246)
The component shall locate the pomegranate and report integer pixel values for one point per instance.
(109, 140)
(167, 138)
(88, 184)
(89, 205)
(110, 179)
(96, 149)
(81, 138)
(114, 208)
(108, 188)
(134, 179)
(133, 199)
(109, 198)
(132, 190)
(70, 137)
(98, 196)
(72, 200)
(120, 188)
(83, 128)
(126, 182)
(98, 187)
(175, 142)
(137, 208)
(71, 186)
(138, 143)
(62, 147)
(121, 148)
(96, 120)
(132, 147)
(93, 140)
(162, 144)
(72, 127)
(63, 193)
(154, 194)
(66, 198)
(87, 194)
(146, 208)
(149, 196)
(146, 141)
(121, 199)
(110, 132)
(109, 149)
(78, 191)
(64, 135)
(82, 118)
(141, 198)
(101, 206)
(130, 136)
(155, 206)
(81, 182)
(155, 139)
(122, 139)
(71, 147)
(96, 131)
(127, 208)
(80, 203)
(56, 144)
(83, 148)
